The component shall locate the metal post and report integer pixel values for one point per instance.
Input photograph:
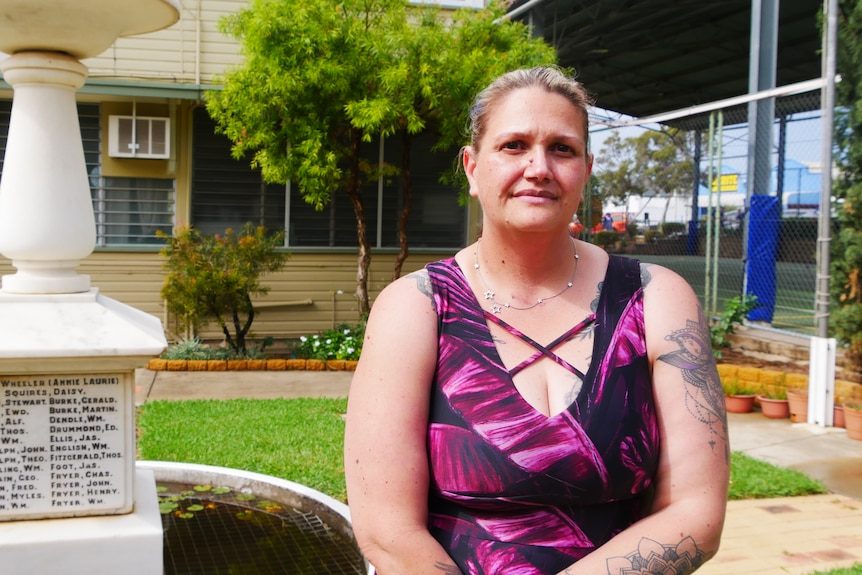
(824, 221)
(821, 374)
(761, 76)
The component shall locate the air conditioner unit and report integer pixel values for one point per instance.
(144, 137)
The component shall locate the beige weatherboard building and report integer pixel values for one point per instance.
(154, 162)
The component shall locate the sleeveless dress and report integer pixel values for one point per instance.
(517, 492)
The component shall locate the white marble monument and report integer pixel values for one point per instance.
(71, 500)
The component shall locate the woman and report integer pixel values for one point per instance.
(532, 405)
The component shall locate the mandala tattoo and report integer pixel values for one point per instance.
(704, 396)
(653, 558)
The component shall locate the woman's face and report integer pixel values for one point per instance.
(531, 165)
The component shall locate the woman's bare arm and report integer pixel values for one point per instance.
(386, 461)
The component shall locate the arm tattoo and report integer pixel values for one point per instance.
(703, 394)
(654, 558)
(423, 284)
(446, 568)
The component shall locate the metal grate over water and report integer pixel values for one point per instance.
(212, 531)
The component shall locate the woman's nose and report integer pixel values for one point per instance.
(537, 165)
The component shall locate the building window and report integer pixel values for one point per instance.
(128, 211)
(228, 193)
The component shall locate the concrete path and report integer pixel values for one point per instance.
(785, 536)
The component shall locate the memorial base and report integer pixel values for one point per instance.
(130, 544)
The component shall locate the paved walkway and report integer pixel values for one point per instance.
(785, 536)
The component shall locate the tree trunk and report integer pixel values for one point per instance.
(408, 203)
(364, 255)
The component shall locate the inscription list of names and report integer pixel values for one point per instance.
(61, 444)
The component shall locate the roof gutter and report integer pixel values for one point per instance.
(519, 10)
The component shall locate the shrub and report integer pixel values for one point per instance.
(606, 238)
(734, 313)
(343, 342)
(668, 228)
(193, 348)
(651, 236)
(732, 386)
(212, 278)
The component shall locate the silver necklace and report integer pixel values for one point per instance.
(489, 293)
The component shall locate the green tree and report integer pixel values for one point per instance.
(320, 78)
(212, 278)
(655, 163)
(846, 251)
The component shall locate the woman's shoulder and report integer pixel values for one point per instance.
(657, 276)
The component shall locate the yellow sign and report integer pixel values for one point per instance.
(729, 183)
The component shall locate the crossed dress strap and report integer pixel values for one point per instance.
(543, 350)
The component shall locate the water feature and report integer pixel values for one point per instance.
(73, 499)
(219, 520)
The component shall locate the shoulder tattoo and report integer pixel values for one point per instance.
(594, 305)
(704, 397)
(446, 568)
(423, 284)
(646, 277)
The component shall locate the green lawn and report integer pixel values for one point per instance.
(301, 440)
(298, 439)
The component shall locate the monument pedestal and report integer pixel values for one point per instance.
(69, 499)
(130, 544)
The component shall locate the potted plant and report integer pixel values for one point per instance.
(853, 418)
(773, 403)
(838, 414)
(738, 397)
(797, 400)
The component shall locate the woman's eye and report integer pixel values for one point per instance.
(563, 148)
(512, 146)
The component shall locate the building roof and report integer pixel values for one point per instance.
(644, 57)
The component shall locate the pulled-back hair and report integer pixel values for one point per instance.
(549, 79)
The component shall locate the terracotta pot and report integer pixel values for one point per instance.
(798, 403)
(853, 421)
(838, 416)
(774, 408)
(739, 403)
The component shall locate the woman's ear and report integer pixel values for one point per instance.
(468, 156)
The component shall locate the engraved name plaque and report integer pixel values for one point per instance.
(66, 445)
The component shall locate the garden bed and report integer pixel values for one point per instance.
(272, 364)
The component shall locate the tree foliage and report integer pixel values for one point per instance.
(846, 252)
(319, 78)
(213, 278)
(651, 164)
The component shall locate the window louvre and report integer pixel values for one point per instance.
(227, 193)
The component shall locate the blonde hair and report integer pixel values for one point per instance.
(549, 79)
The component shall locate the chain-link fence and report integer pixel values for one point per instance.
(739, 223)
